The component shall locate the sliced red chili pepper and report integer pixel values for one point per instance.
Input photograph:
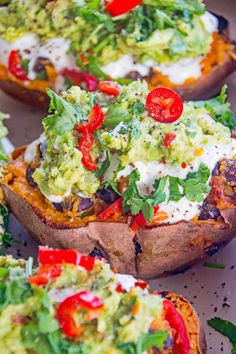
(109, 87)
(176, 322)
(96, 119)
(73, 304)
(141, 284)
(168, 139)
(164, 105)
(114, 211)
(46, 272)
(85, 145)
(54, 256)
(120, 289)
(119, 7)
(15, 65)
(77, 77)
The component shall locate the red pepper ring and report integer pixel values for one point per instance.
(15, 65)
(46, 272)
(119, 7)
(73, 304)
(54, 256)
(114, 211)
(164, 105)
(176, 322)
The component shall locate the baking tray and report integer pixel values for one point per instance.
(211, 291)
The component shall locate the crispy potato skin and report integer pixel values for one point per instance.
(205, 87)
(164, 248)
(193, 324)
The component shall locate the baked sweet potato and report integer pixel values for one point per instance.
(169, 322)
(147, 253)
(216, 66)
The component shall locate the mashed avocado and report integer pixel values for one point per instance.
(128, 135)
(160, 31)
(29, 321)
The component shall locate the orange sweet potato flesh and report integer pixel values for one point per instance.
(163, 248)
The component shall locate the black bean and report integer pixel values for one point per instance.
(108, 195)
(214, 249)
(230, 172)
(96, 253)
(40, 64)
(29, 178)
(85, 204)
(138, 247)
(208, 211)
(58, 206)
(134, 75)
(216, 170)
(42, 149)
(168, 343)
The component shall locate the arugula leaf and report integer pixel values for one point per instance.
(131, 191)
(115, 116)
(226, 328)
(219, 109)
(93, 67)
(65, 115)
(145, 342)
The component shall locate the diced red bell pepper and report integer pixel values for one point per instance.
(114, 211)
(15, 65)
(77, 77)
(184, 165)
(49, 256)
(46, 272)
(120, 7)
(109, 87)
(176, 322)
(68, 308)
(168, 139)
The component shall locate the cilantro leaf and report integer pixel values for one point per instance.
(6, 237)
(145, 342)
(219, 109)
(103, 166)
(175, 193)
(65, 115)
(195, 186)
(226, 328)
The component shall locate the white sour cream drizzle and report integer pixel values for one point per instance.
(57, 51)
(149, 172)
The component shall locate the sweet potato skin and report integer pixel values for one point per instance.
(163, 249)
(193, 324)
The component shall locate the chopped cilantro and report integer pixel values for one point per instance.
(220, 109)
(226, 328)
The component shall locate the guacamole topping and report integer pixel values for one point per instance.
(83, 35)
(107, 317)
(146, 162)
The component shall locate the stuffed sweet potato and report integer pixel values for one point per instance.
(141, 179)
(75, 303)
(173, 44)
